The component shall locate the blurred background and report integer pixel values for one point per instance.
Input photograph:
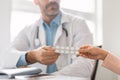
(102, 16)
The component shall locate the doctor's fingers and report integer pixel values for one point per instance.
(46, 56)
(48, 48)
(48, 60)
(50, 55)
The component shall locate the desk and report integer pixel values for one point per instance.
(52, 77)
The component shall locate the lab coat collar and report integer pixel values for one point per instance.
(64, 18)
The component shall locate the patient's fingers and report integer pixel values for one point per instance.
(85, 46)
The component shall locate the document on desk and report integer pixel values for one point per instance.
(61, 77)
(11, 73)
(50, 77)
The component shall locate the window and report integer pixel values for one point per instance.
(79, 5)
(20, 19)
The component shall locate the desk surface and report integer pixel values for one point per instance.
(44, 77)
(52, 77)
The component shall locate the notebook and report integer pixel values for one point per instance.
(11, 73)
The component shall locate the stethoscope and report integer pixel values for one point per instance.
(37, 41)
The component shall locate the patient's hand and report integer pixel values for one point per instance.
(93, 52)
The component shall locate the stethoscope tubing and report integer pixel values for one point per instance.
(37, 41)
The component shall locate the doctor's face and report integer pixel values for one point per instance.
(49, 7)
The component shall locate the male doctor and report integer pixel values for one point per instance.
(34, 44)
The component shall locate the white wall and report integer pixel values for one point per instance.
(111, 25)
(111, 34)
(5, 9)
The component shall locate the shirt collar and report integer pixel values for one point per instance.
(57, 19)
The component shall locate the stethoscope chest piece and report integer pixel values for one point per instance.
(37, 42)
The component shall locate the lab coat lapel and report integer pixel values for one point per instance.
(42, 37)
(58, 34)
(64, 20)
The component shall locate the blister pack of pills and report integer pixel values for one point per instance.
(66, 50)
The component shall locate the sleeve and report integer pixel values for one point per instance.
(22, 61)
(82, 34)
(112, 62)
(81, 67)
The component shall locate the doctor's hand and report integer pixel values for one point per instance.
(45, 55)
(92, 52)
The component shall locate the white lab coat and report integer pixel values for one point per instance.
(77, 31)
